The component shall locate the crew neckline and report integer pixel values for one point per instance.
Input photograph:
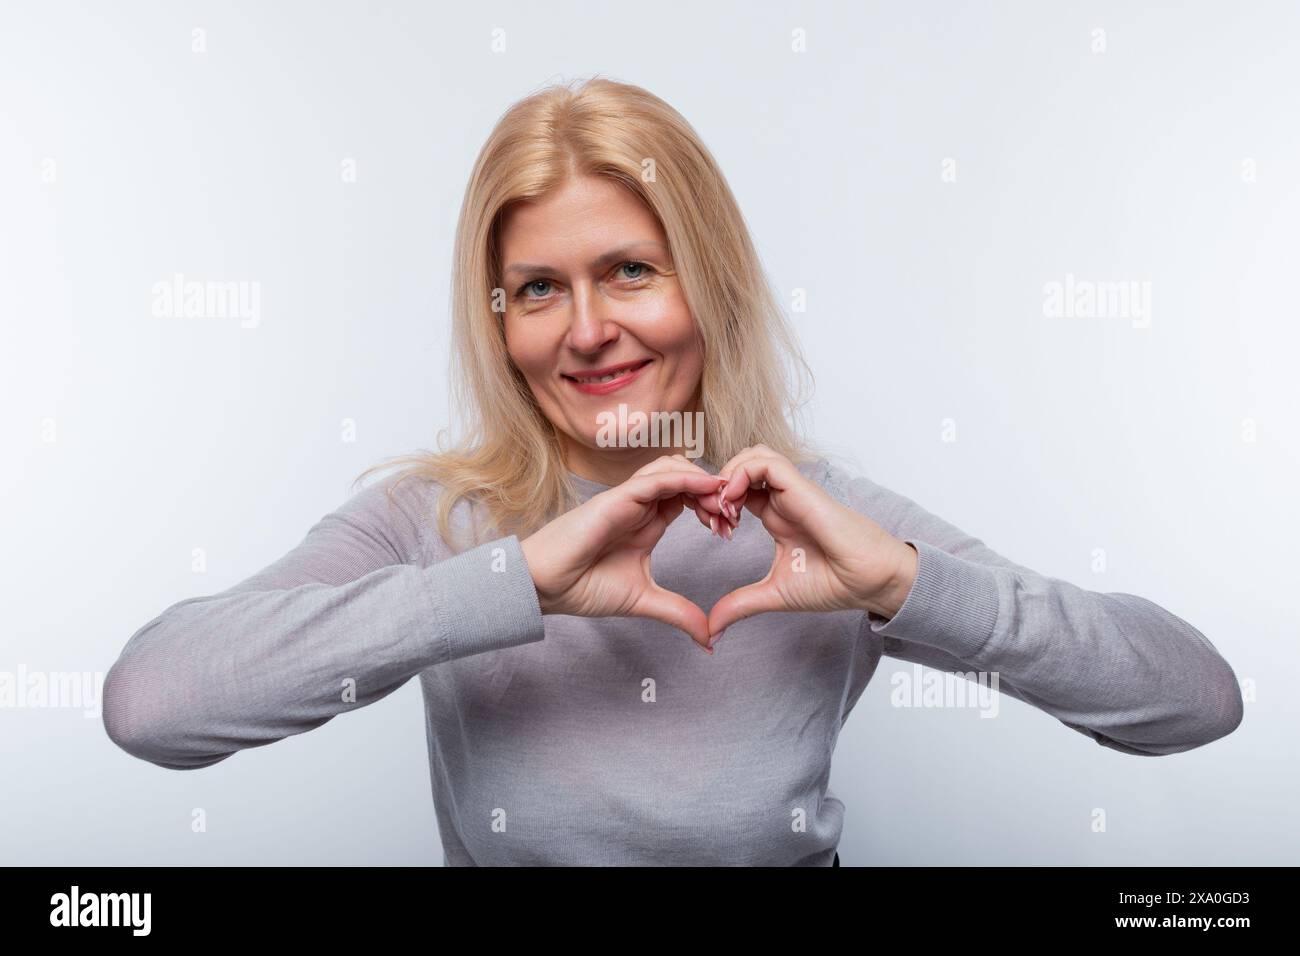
(589, 487)
(586, 484)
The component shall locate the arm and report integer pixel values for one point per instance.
(268, 658)
(1113, 666)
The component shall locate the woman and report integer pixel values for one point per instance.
(560, 618)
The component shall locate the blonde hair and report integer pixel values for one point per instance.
(512, 460)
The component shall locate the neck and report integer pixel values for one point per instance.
(613, 466)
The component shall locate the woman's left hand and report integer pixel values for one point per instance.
(828, 556)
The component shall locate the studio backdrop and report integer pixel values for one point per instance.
(1041, 258)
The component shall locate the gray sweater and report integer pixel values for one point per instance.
(567, 740)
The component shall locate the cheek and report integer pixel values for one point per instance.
(527, 351)
(679, 338)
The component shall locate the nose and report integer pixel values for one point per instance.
(589, 330)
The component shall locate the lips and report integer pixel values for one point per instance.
(589, 376)
(600, 381)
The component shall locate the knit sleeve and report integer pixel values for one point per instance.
(1113, 666)
(340, 621)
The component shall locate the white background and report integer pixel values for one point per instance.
(925, 303)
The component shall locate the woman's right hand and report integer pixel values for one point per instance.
(594, 561)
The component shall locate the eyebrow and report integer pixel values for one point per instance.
(604, 259)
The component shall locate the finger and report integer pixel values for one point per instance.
(670, 509)
(708, 520)
(731, 503)
(731, 498)
(663, 484)
(757, 472)
(704, 505)
(741, 603)
(666, 463)
(671, 608)
(708, 503)
(710, 510)
(743, 455)
(633, 505)
(755, 451)
(679, 463)
(756, 500)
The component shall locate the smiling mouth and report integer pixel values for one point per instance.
(617, 372)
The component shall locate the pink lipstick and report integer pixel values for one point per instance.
(602, 381)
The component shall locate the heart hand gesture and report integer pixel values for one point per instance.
(828, 556)
(594, 560)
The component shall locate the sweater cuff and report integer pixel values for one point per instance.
(953, 604)
(484, 599)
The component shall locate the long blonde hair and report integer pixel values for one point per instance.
(512, 459)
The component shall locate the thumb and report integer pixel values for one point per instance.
(671, 608)
(741, 603)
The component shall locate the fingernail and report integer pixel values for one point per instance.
(716, 637)
(713, 523)
(726, 529)
(709, 651)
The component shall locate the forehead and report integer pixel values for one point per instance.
(584, 213)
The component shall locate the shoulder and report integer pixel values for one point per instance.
(404, 506)
(397, 508)
(838, 478)
(846, 482)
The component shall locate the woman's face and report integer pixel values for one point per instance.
(589, 287)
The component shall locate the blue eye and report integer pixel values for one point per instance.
(642, 271)
(519, 293)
